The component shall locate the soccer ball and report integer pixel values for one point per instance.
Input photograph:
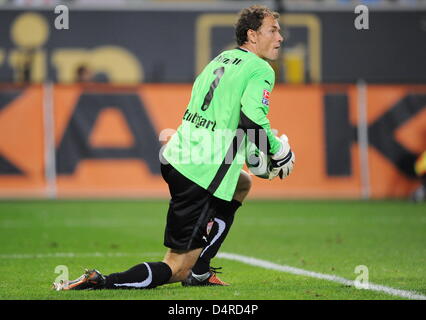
(258, 162)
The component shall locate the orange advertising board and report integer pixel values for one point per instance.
(22, 142)
(107, 140)
(402, 109)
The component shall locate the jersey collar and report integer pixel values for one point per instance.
(245, 50)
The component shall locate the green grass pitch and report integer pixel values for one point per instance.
(329, 237)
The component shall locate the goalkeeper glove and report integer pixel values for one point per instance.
(282, 162)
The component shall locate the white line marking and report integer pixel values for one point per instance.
(75, 255)
(230, 256)
(283, 268)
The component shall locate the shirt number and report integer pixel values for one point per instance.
(209, 96)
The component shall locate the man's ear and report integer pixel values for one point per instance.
(251, 36)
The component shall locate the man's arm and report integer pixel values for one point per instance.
(255, 108)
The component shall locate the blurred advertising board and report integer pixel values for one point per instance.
(104, 141)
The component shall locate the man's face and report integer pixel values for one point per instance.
(268, 39)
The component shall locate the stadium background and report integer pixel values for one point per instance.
(352, 101)
(85, 110)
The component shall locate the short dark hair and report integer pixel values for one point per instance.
(251, 18)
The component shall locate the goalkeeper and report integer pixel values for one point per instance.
(202, 163)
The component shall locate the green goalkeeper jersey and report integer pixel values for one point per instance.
(229, 101)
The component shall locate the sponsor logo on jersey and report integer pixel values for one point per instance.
(266, 94)
(209, 226)
(265, 97)
(199, 120)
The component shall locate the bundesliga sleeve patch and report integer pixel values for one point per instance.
(265, 97)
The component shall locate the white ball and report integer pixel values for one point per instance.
(258, 162)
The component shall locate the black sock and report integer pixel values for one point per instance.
(142, 276)
(224, 217)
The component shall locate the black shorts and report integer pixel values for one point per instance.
(190, 211)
